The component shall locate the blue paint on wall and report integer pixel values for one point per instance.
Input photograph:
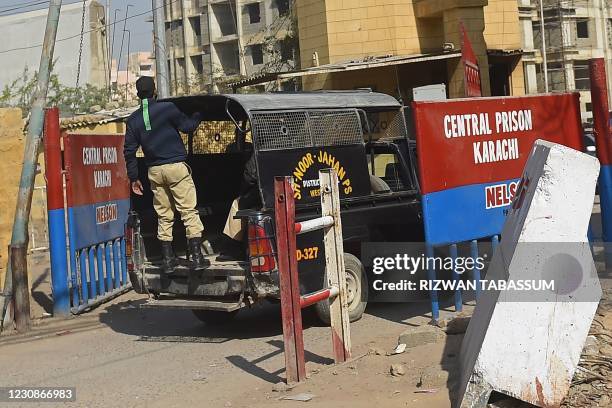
(605, 200)
(460, 214)
(59, 262)
(88, 232)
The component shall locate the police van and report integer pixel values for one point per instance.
(361, 134)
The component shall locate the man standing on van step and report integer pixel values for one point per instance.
(155, 127)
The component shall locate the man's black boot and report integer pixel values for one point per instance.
(167, 257)
(195, 250)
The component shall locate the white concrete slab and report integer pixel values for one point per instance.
(527, 344)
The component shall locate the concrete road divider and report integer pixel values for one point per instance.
(527, 345)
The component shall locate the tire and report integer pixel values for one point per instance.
(214, 317)
(357, 285)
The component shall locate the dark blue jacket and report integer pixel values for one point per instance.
(162, 144)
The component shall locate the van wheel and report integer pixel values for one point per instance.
(214, 317)
(357, 291)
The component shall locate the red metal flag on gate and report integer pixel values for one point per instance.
(471, 71)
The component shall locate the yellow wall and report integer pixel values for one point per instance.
(11, 151)
(343, 30)
(502, 29)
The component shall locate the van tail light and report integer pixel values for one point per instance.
(129, 247)
(261, 252)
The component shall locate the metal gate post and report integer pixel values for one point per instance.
(56, 214)
(288, 277)
(334, 266)
(603, 139)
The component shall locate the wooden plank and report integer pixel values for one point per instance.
(292, 338)
(334, 266)
(21, 292)
(296, 306)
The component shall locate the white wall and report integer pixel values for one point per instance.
(28, 29)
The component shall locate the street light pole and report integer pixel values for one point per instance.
(127, 65)
(122, 39)
(112, 53)
(159, 35)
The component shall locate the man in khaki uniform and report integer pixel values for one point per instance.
(155, 127)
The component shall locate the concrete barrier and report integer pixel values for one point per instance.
(527, 345)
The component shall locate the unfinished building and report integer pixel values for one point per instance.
(210, 42)
(574, 32)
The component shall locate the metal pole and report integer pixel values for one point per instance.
(109, 57)
(57, 214)
(19, 238)
(112, 52)
(603, 139)
(159, 36)
(127, 67)
(186, 57)
(544, 57)
(122, 39)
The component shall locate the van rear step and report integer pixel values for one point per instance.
(178, 303)
(216, 268)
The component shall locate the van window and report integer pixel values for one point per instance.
(387, 166)
(213, 137)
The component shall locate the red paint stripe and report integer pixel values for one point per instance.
(446, 163)
(289, 288)
(295, 284)
(53, 160)
(81, 176)
(312, 298)
(341, 354)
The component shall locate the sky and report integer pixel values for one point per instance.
(140, 30)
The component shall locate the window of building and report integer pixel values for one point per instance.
(197, 64)
(196, 29)
(256, 54)
(283, 7)
(254, 13)
(582, 29)
(286, 50)
(581, 75)
(145, 67)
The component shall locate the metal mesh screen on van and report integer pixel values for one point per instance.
(297, 129)
(213, 137)
(335, 128)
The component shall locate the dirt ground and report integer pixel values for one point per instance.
(121, 355)
(153, 358)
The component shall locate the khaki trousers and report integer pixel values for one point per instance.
(234, 228)
(173, 190)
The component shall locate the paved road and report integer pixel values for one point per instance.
(132, 357)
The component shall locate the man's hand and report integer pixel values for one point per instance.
(137, 187)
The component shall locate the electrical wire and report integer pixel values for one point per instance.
(23, 6)
(89, 31)
(28, 5)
